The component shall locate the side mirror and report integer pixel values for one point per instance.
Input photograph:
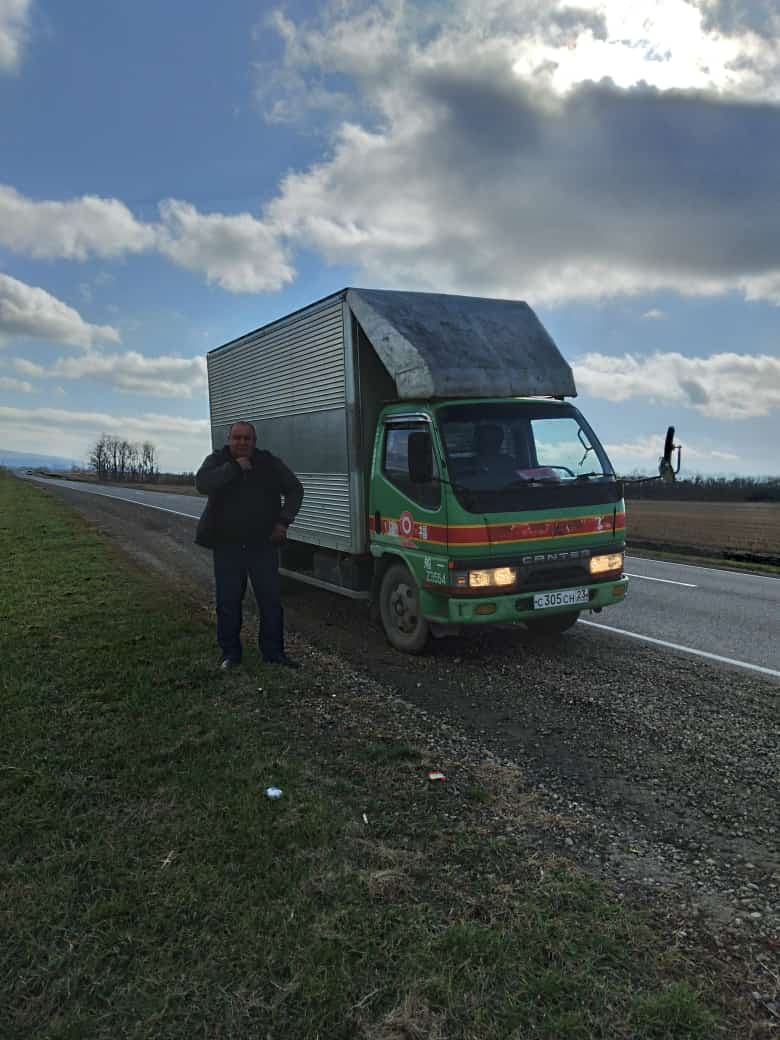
(666, 470)
(420, 458)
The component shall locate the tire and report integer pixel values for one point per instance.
(553, 624)
(399, 608)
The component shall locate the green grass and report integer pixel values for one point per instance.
(150, 890)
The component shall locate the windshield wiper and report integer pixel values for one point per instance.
(587, 476)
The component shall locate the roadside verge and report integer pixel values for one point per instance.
(153, 890)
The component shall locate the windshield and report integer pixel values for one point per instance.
(501, 447)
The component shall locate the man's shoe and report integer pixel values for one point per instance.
(284, 660)
(228, 663)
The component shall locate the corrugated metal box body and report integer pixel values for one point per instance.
(313, 384)
(294, 380)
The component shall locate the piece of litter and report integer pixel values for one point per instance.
(365, 819)
(434, 775)
(273, 792)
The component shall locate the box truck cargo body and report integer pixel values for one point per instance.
(446, 476)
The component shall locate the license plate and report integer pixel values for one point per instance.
(561, 598)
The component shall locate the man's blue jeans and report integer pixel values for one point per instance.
(233, 564)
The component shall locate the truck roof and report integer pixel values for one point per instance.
(436, 345)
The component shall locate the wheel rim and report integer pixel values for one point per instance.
(404, 613)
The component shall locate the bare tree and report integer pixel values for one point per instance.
(112, 448)
(116, 458)
(99, 457)
(149, 460)
(134, 462)
(124, 454)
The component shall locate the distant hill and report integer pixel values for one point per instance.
(26, 460)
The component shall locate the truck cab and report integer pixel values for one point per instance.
(488, 510)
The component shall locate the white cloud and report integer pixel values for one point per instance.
(733, 17)
(18, 385)
(649, 448)
(654, 314)
(87, 289)
(665, 43)
(182, 443)
(556, 46)
(239, 253)
(496, 147)
(482, 158)
(14, 30)
(723, 386)
(32, 312)
(72, 230)
(131, 372)
(641, 455)
(28, 368)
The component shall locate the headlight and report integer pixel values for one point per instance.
(604, 564)
(504, 575)
(496, 578)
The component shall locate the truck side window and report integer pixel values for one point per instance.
(395, 466)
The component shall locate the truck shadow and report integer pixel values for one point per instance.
(350, 628)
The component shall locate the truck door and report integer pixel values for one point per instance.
(407, 513)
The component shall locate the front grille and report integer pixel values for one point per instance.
(538, 578)
(540, 574)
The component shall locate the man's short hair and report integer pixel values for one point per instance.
(242, 422)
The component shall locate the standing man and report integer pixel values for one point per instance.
(253, 498)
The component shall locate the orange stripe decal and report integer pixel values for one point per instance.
(501, 534)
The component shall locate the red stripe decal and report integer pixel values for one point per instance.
(479, 534)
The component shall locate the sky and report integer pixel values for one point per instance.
(174, 175)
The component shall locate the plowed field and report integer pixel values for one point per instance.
(741, 527)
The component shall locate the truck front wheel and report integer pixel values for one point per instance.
(399, 608)
(553, 624)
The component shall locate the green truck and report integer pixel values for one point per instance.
(447, 478)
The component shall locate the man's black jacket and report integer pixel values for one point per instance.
(244, 505)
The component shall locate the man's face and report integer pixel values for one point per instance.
(241, 441)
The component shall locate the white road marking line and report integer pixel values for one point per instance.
(161, 509)
(685, 649)
(702, 567)
(666, 581)
(135, 502)
(132, 501)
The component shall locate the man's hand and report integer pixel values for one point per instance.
(244, 462)
(279, 534)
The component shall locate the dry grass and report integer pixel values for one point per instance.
(411, 1020)
(751, 527)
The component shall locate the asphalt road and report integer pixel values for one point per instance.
(725, 616)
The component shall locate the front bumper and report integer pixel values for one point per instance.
(514, 606)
